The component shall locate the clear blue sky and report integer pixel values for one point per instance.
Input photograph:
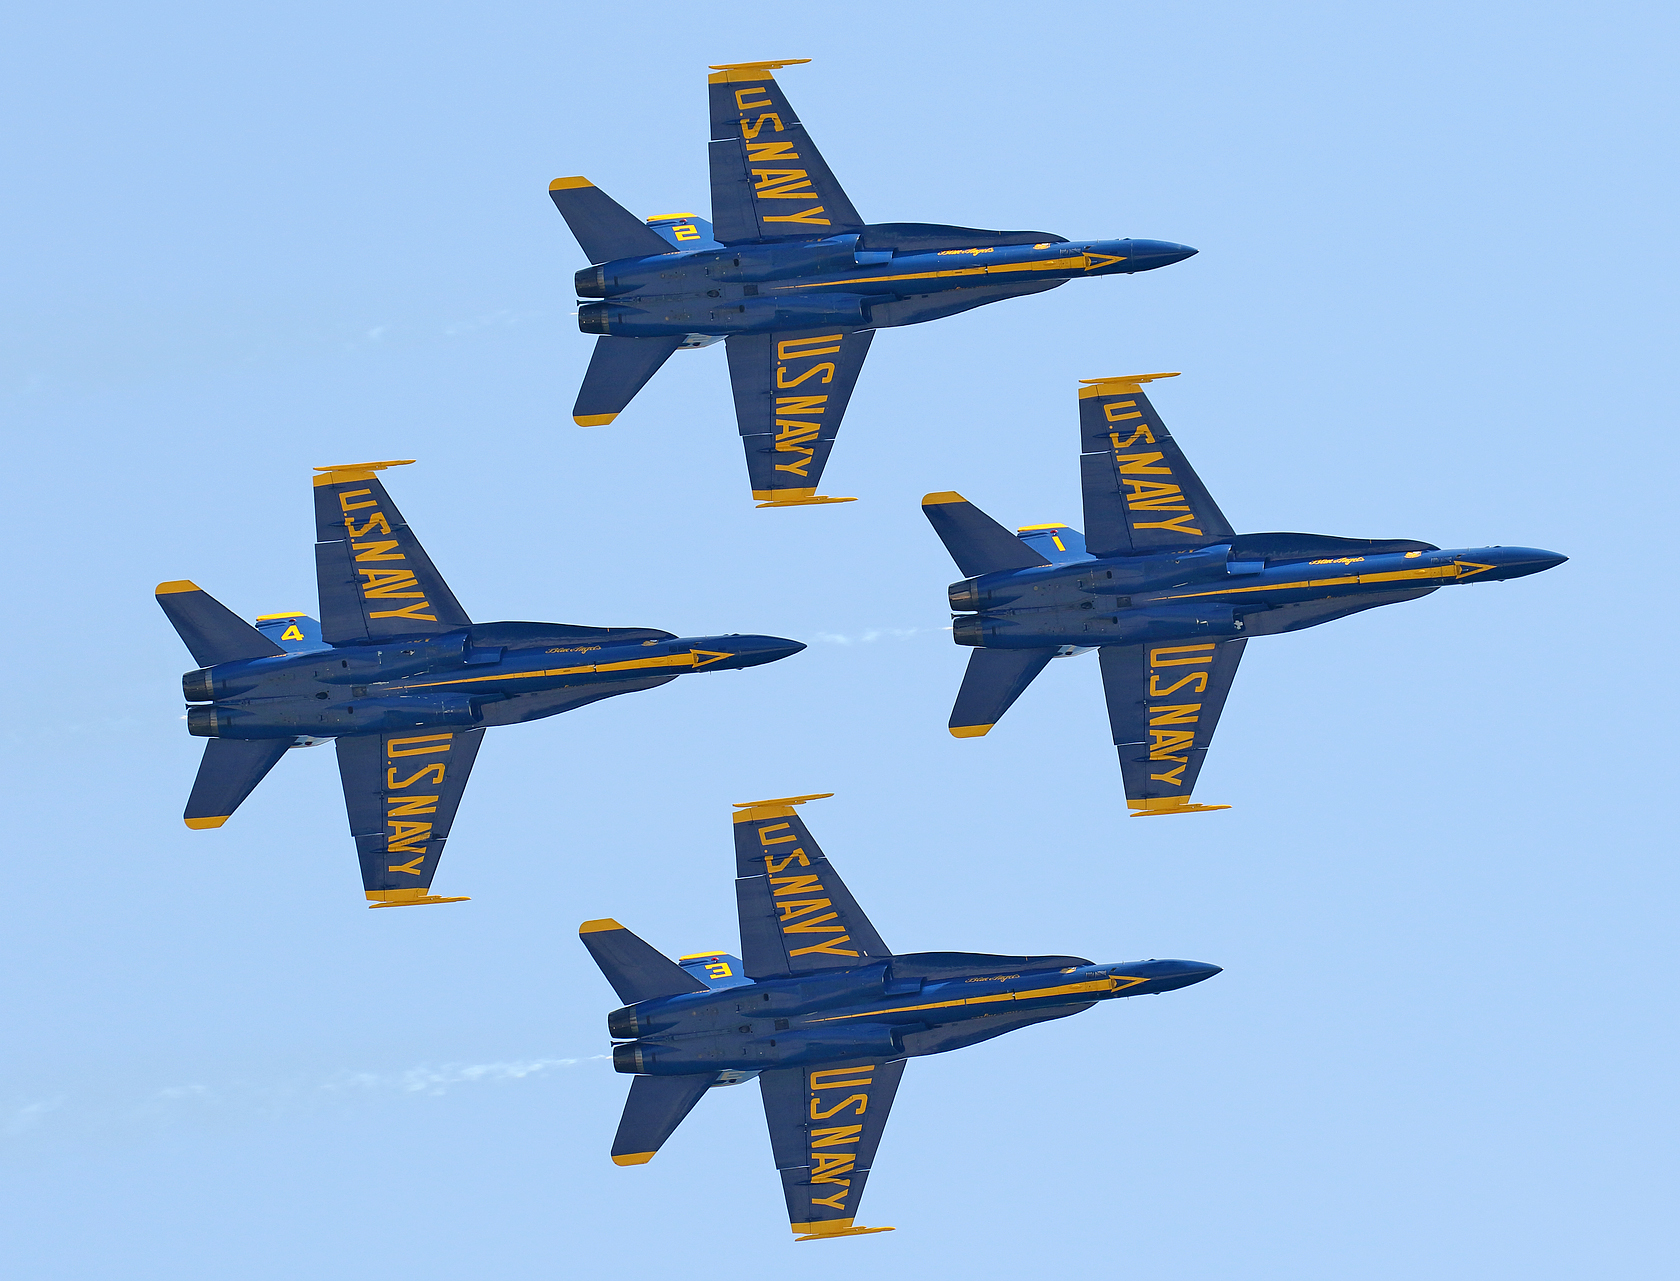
(1435, 299)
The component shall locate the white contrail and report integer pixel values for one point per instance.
(175, 1102)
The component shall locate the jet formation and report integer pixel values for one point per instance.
(792, 279)
(399, 677)
(1164, 589)
(821, 1012)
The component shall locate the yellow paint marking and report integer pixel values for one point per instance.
(593, 420)
(633, 1158)
(599, 927)
(566, 184)
(1469, 568)
(970, 731)
(340, 473)
(1120, 386)
(780, 807)
(688, 658)
(409, 898)
(200, 824)
(943, 496)
(1347, 580)
(179, 585)
(1079, 262)
(1117, 983)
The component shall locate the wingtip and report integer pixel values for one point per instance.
(593, 420)
(942, 497)
(204, 824)
(632, 1158)
(178, 585)
(970, 731)
(600, 926)
(566, 184)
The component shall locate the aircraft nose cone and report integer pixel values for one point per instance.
(1147, 255)
(754, 651)
(1519, 562)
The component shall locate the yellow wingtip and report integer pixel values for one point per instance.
(827, 1230)
(338, 473)
(725, 72)
(1089, 387)
(200, 824)
(1159, 806)
(942, 497)
(751, 811)
(600, 926)
(633, 1158)
(410, 898)
(565, 184)
(970, 731)
(593, 420)
(179, 585)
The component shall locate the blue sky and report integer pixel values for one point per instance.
(1434, 300)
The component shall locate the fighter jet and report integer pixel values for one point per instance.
(788, 272)
(1164, 589)
(400, 678)
(820, 1010)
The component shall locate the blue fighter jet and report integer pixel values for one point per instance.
(1164, 589)
(821, 1012)
(790, 274)
(400, 678)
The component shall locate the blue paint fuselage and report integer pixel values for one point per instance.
(1207, 593)
(481, 675)
(916, 1004)
(761, 288)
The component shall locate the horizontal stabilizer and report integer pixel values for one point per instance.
(635, 969)
(212, 631)
(994, 680)
(604, 228)
(618, 369)
(976, 542)
(229, 772)
(655, 1108)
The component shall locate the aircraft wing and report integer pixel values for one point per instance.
(375, 579)
(769, 181)
(791, 390)
(796, 913)
(1164, 703)
(401, 790)
(1141, 494)
(825, 1125)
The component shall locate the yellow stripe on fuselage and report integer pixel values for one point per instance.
(689, 658)
(1118, 984)
(1080, 262)
(1455, 570)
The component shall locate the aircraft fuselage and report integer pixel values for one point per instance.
(760, 288)
(445, 680)
(1199, 594)
(911, 1005)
